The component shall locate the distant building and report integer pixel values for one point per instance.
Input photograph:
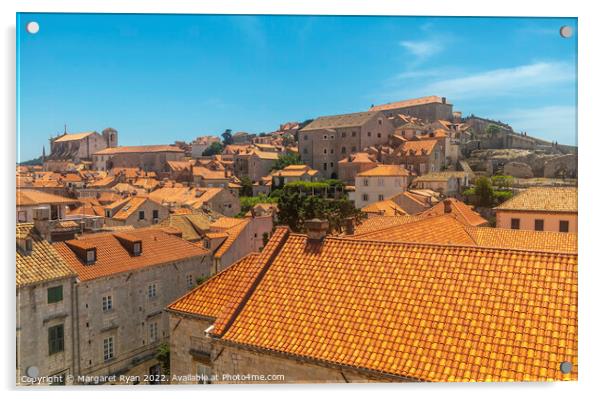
(77, 147)
(429, 108)
(146, 157)
(220, 200)
(418, 156)
(379, 183)
(291, 174)
(449, 183)
(540, 208)
(200, 144)
(28, 201)
(353, 164)
(328, 139)
(135, 211)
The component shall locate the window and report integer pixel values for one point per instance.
(366, 182)
(380, 121)
(332, 164)
(108, 348)
(365, 197)
(305, 137)
(332, 136)
(369, 134)
(515, 224)
(381, 181)
(56, 339)
(155, 214)
(153, 332)
(189, 281)
(564, 226)
(107, 303)
(343, 134)
(204, 373)
(539, 224)
(207, 244)
(325, 166)
(90, 256)
(343, 150)
(22, 216)
(381, 197)
(325, 151)
(325, 137)
(55, 294)
(332, 150)
(137, 248)
(152, 290)
(352, 134)
(305, 150)
(140, 215)
(378, 135)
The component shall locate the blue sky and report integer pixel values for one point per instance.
(161, 78)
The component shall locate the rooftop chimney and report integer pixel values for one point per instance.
(316, 229)
(447, 205)
(41, 222)
(349, 226)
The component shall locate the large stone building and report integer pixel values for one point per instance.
(429, 109)
(124, 280)
(153, 158)
(303, 310)
(540, 208)
(328, 139)
(45, 345)
(77, 147)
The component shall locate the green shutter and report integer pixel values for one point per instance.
(55, 294)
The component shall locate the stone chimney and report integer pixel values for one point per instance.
(447, 205)
(349, 226)
(316, 229)
(41, 222)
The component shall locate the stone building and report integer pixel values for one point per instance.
(379, 183)
(45, 314)
(328, 139)
(291, 174)
(220, 200)
(124, 281)
(350, 166)
(540, 208)
(146, 157)
(429, 109)
(418, 156)
(200, 144)
(298, 313)
(254, 163)
(136, 212)
(77, 147)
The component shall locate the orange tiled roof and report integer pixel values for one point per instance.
(73, 137)
(527, 239)
(424, 312)
(418, 146)
(385, 171)
(543, 199)
(131, 206)
(230, 226)
(408, 103)
(43, 263)
(158, 247)
(139, 148)
(209, 298)
(459, 209)
(27, 197)
(385, 208)
(376, 223)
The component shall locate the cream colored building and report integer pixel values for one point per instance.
(379, 183)
(541, 208)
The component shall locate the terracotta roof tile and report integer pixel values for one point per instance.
(544, 199)
(408, 103)
(139, 148)
(459, 209)
(385, 171)
(425, 312)
(27, 197)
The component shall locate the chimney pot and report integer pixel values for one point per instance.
(316, 229)
(447, 205)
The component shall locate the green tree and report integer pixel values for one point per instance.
(214, 149)
(227, 137)
(162, 356)
(247, 187)
(286, 159)
(484, 191)
(492, 130)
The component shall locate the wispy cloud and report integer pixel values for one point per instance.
(504, 81)
(422, 49)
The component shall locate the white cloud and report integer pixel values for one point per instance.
(504, 82)
(422, 48)
(556, 123)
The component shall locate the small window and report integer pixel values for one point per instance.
(365, 197)
(352, 134)
(108, 349)
(305, 137)
(305, 150)
(325, 137)
(369, 134)
(189, 281)
(343, 134)
(55, 294)
(539, 224)
(564, 226)
(380, 121)
(332, 164)
(22, 216)
(378, 135)
(380, 181)
(207, 244)
(137, 248)
(107, 303)
(332, 150)
(381, 197)
(325, 166)
(140, 215)
(343, 150)
(515, 224)
(152, 290)
(90, 256)
(56, 339)
(332, 137)
(366, 182)
(153, 332)
(155, 214)
(325, 151)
